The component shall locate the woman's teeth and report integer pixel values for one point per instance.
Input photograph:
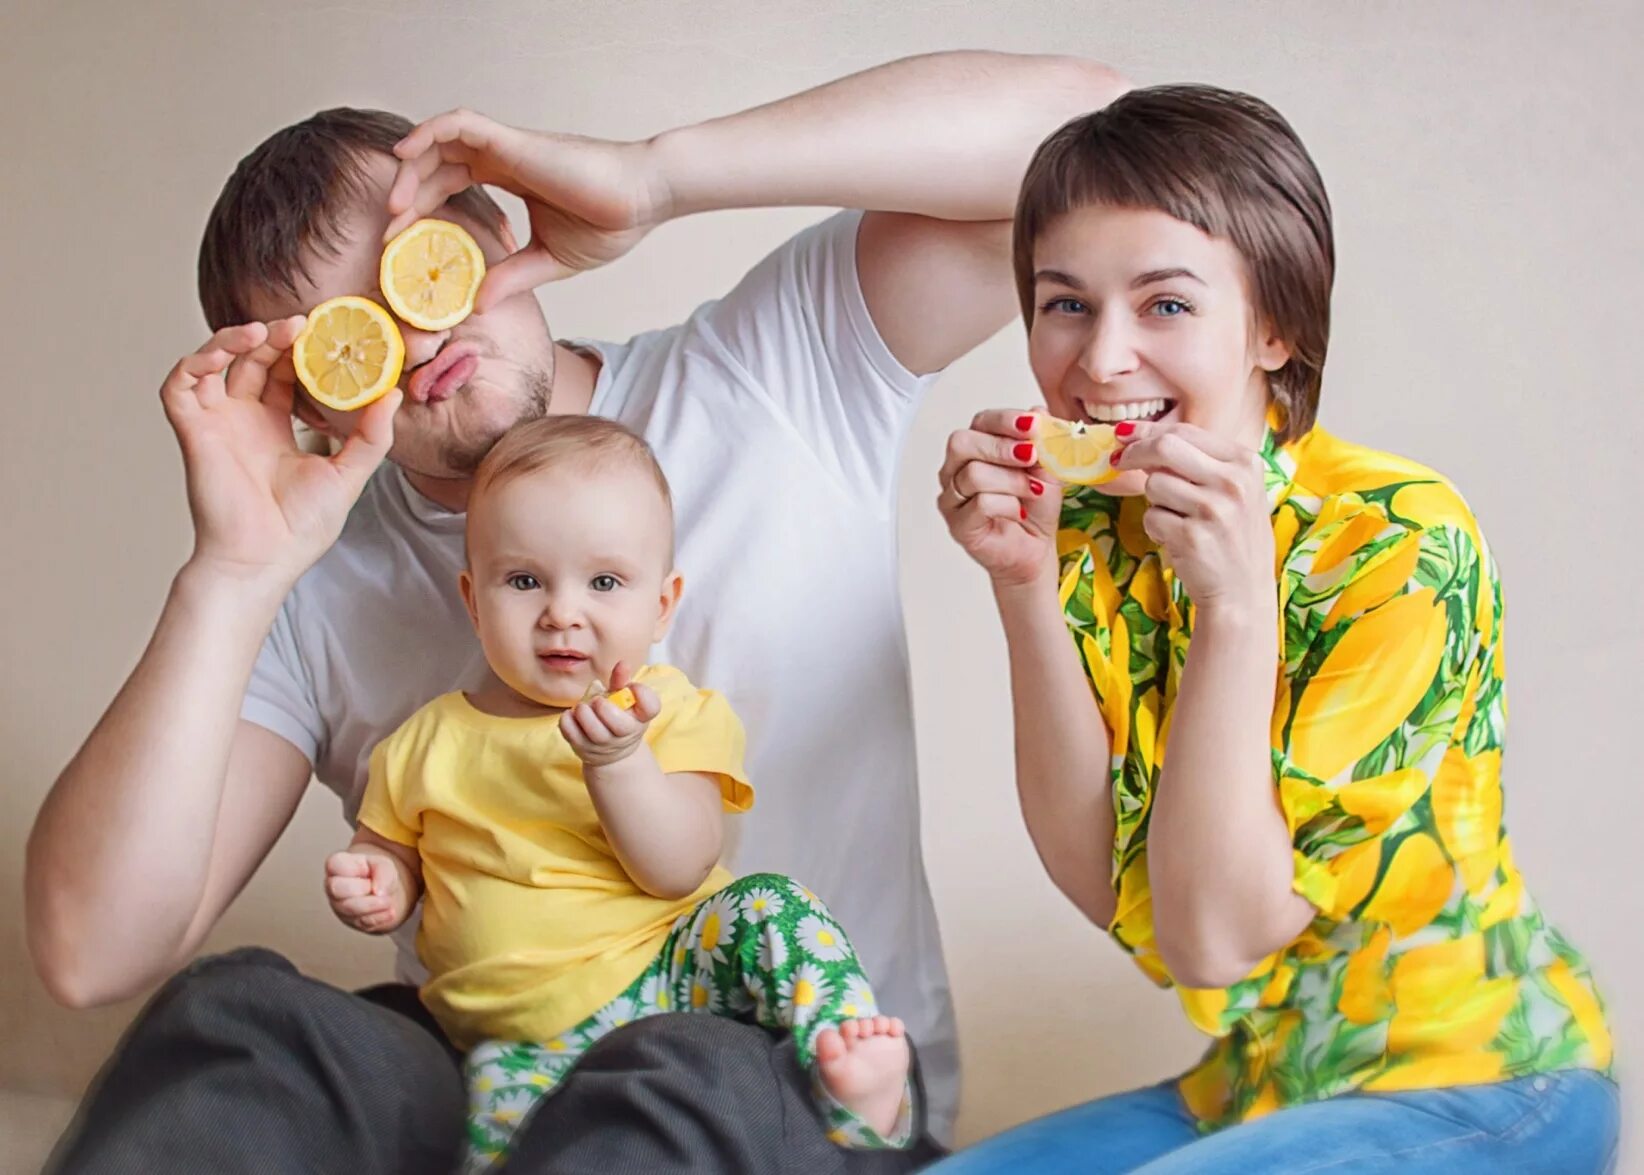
(1138, 410)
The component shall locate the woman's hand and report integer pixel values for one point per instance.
(1208, 509)
(998, 504)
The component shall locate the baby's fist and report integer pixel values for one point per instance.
(365, 891)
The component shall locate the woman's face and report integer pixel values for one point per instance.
(1138, 316)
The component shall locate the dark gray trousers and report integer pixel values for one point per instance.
(240, 1064)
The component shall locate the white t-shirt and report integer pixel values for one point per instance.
(778, 414)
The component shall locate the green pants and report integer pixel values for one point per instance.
(764, 944)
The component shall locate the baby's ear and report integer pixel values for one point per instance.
(465, 584)
(673, 586)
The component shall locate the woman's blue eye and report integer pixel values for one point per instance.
(1171, 307)
(604, 583)
(521, 582)
(1064, 306)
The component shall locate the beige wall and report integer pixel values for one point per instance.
(1485, 164)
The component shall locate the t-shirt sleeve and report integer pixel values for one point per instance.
(280, 695)
(1389, 647)
(798, 330)
(380, 807)
(698, 732)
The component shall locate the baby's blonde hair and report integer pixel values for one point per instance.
(588, 442)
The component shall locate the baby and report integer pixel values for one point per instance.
(565, 842)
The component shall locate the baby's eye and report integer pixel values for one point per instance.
(604, 583)
(522, 582)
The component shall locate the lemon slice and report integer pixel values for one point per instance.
(1075, 453)
(430, 274)
(622, 699)
(349, 354)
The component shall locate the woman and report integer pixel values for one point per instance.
(1313, 629)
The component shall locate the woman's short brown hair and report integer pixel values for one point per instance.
(1226, 163)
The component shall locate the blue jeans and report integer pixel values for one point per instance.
(1564, 1123)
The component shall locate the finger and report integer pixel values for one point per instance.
(968, 445)
(338, 888)
(1016, 423)
(346, 864)
(385, 878)
(1163, 449)
(620, 676)
(371, 439)
(614, 718)
(1177, 494)
(980, 477)
(1164, 527)
(362, 907)
(408, 177)
(978, 514)
(249, 374)
(583, 723)
(647, 705)
(454, 126)
(572, 732)
(429, 196)
(531, 267)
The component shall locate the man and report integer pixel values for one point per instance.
(319, 606)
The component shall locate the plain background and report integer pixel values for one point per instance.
(1485, 164)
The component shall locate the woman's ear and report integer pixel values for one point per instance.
(1272, 352)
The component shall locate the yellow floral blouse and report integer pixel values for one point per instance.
(1428, 964)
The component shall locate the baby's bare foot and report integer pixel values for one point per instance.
(864, 1065)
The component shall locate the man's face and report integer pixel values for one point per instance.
(464, 387)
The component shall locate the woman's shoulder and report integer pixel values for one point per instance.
(1338, 482)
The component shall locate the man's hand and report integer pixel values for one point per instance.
(589, 200)
(366, 891)
(262, 507)
(601, 732)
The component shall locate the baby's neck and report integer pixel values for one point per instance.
(497, 698)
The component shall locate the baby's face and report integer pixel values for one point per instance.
(569, 573)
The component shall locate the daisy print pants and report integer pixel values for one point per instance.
(763, 945)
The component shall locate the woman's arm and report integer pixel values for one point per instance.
(1063, 779)
(1220, 861)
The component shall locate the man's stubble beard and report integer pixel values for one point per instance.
(461, 459)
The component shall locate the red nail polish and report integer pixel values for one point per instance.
(1024, 513)
(1038, 487)
(1023, 451)
(1123, 429)
(1024, 424)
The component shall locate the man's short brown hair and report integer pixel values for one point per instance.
(285, 201)
(1230, 165)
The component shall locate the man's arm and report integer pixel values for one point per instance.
(173, 801)
(165, 812)
(933, 147)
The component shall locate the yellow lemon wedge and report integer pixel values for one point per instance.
(430, 274)
(349, 354)
(622, 699)
(1075, 453)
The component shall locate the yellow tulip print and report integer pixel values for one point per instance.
(1428, 964)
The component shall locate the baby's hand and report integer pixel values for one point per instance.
(365, 891)
(600, 731)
